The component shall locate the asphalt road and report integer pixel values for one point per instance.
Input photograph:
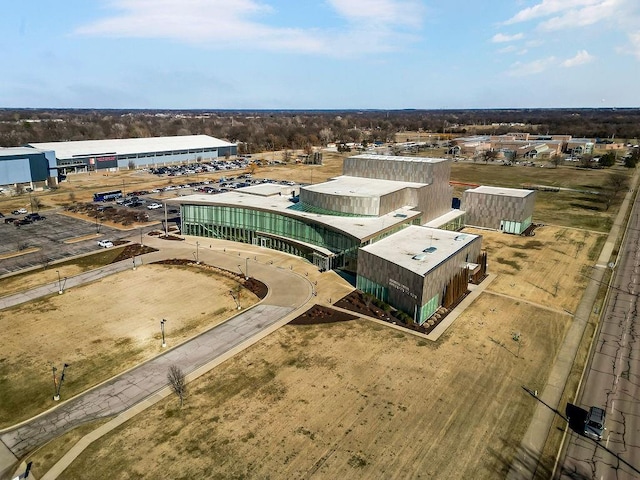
(613, 379)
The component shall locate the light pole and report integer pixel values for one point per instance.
(56, 397)
(141, 244)
(197, 253)
(59, 283)
(246, 268)
(164, 344)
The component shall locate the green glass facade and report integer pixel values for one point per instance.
(272, 230)
(373, 288)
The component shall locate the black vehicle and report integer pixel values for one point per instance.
(24, 221)
(1, 215)
(9, 220)
(35, 217)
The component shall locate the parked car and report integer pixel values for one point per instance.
(154, 206)
(9, 220)
(594, 423)
(20, 211)
(105, 243)
(23, 221)
(35, 217)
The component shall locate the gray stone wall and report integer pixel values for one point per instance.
(401, 170)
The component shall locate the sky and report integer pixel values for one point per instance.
(319, 54)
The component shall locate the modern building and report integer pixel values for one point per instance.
(23, 167)
(416, 269)
(113, 154)
(508, 210)
(364, 222)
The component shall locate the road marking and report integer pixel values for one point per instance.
(612, 402)
(607, 444)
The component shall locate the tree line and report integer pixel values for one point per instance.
(277, 130)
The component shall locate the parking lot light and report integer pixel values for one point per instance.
(164, 344)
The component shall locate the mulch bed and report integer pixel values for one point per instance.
(256, 287)
(319, 314)
(357, 302)
(132, 250)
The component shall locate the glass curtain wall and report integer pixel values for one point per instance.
(245, 225)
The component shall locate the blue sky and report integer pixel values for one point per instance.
(324, 54)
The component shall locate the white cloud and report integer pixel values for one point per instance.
(398, 12)
(244, 24)
(581, 58)
(521, 69)
(502, 38)
(548, 7)
(634, 44)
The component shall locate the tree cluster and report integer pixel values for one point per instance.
(277, 130)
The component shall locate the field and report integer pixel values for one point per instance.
(101, 329)
(360, 400)
(354, 399)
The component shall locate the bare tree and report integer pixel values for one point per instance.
(177, 381)
(614, 184)
(556, 160)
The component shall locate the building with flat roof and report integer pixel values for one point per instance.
(508, 210)
(112, 154)
(413, 269)
(26, 167)
(363, 222)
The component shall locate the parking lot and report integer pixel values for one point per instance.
(49, 237)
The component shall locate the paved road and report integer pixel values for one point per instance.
(287, 291)
(613, 379)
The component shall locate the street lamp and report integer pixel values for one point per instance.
(164, 344)
(59, 283)
(246, 268)
(56, 397)
(197, 253)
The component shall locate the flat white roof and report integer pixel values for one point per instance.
(4, 152)
(420, 249)
(362, 228)
(443, 219)
(347, 186)
(269, 189)
(401, 159)
(507, 192)
(129, 146)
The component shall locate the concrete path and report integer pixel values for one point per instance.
(293, 287)
(526, 461)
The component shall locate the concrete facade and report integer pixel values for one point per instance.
(504, 209)
(412, 268)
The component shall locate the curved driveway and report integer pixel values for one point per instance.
(287, 292)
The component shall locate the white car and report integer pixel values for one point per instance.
(20, 211)
(154, 206)
(105, 243)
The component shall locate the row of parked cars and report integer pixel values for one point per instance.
(193, 168)
(26, 220)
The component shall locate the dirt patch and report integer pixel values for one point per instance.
(133, 250)
(18, 253)
(320, 314)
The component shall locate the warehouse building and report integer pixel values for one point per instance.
(114, 154)
(508, 210)
(23, 167)
(417, 269)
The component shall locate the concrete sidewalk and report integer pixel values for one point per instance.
(526, 460)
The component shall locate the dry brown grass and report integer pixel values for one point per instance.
(102, 329)
(359, 400)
